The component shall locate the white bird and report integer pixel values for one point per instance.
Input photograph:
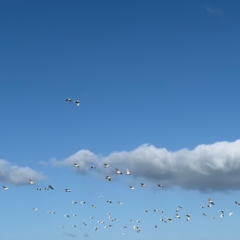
(68, 100)
(202, 206)
(221, 211)
(77, 102)
(169, 219)
(51, 212)
(75, 165)
(146, 210)
(5, 188)
(188, 219)
(93, 166)
(230, 214)
(119, 203)
(118, 171)
(143, 185)
(34, 209)
(91, 217)
(210, 201)
(74, 202)
(188, 215)
(177, 216)
(74, 215)
(108, 178)
(106, 165)
(84, 223)
(93, 206)
(83, 202)
(66, 215)
(160, 185)
(67, 190)
(155, 210)
(95, 229)
(131, 187)
(128, 172)
(31, 181)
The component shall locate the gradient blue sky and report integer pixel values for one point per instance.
(163, 73)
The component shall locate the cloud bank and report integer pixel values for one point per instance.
(206, 167)
(18, 175)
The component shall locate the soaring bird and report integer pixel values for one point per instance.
(160, 185)
(67, 190)
(230, 214)
(106, 165)
(93, 166)
(5, 188)
(34, 209)
(143, 185)
(51, 187)
(75, 165)
(74, 202)
(66, 215)
(131, 187)
(77, 102)
(39, 189)
(74, 215)
(83, 202)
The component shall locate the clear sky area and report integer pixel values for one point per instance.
(158, 86)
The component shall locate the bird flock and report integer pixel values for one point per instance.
(130, 223)
(111, 220)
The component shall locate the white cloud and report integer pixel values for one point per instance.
(18, 175)
(206, 167)
(215, 11)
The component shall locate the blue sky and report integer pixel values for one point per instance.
(158, 83)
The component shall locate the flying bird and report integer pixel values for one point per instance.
(31, 181)
(128, 172)
(118, 171)
(77, 102)
(5, 188)
(131, 187)
(108, 178)
(68, 100)
(106, 165)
